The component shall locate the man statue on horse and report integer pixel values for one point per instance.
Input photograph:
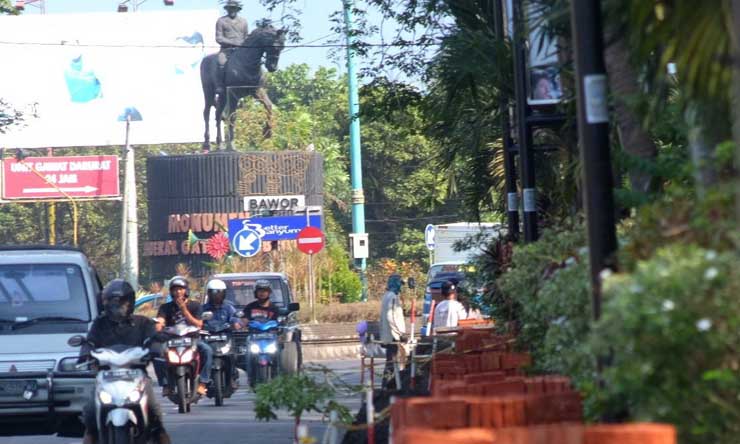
(231, 32)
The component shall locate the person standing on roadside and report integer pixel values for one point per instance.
(392, 324)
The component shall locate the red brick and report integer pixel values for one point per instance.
(510, 386)
(642, 433)
(442, 413)
(484, 377)
(515, 360)
(461, 436)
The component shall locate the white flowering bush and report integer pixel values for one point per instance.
(671, 330)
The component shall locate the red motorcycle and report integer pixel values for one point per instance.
(183, 365)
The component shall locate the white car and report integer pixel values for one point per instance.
(47, 295)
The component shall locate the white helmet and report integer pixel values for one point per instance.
(216, 291)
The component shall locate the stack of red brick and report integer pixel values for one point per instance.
(546, 434)
(480, 396)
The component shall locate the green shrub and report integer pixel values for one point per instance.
(343, 280)
(672, 329)
(519, 296)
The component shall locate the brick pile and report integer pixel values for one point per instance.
(480, 395)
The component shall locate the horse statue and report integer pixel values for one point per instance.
(243, 77)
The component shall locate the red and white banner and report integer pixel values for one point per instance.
(52, 177)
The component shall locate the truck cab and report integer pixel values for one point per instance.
(47, 295)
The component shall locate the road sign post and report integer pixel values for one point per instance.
(311, 241)
(429, 233)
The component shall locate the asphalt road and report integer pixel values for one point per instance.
(234, 422)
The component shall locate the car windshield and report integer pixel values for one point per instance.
(241, 291)
(436, 269)
(32, 291)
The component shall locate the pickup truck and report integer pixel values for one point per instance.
(47, 295)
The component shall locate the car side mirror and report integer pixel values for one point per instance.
(76, 341)
(294, 306)
(207, 315)
(411, 282)
(239, 314)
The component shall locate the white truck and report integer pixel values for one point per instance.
(443, 255)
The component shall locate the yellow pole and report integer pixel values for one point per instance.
(52, 223)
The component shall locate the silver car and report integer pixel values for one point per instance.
(47, 295)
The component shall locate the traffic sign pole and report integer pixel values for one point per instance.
(310, 241)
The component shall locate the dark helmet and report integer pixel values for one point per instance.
(262, 284)
(216, 291)
(179, 281)
(118, 299)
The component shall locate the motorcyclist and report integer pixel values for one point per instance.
(223, 310)
(262, 307)
(117, 325)
(180, 310)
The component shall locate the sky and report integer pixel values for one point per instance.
(317, 27)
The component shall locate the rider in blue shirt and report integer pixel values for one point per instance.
(216, 303)
(223, 311)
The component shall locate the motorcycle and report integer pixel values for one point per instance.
(263, 348)
(121, 402)
(183, 365)
(223, 371)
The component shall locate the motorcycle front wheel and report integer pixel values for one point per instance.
(182, 395)
(121, 435)
(264, 373)
(218, 387)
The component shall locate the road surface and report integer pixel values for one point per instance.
(234, 422)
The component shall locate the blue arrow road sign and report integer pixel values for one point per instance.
(429, 236)
(276, 228)
(247, 242)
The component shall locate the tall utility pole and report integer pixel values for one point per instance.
(358, 195)
(512, 196)
(524, 130)
(593, 135)
(129, 217)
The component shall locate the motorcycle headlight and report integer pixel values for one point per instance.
(134, 396)
(173, 357)
(271, 348)
(226, 348)
(187, 356)
(105, 397)
(254, 349)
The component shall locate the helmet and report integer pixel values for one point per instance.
(118, 300)
(179, 281)
(262, 284)
(216, 291)
(395, 282)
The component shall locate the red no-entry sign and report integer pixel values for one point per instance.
(311, 240)
(53, 177)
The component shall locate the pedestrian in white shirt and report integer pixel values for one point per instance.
(392, 323)
(449, 311)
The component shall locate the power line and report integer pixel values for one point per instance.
(142, 46)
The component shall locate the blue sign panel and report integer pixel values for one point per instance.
(275, 228)
(246, 240)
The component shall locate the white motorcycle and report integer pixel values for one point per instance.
(121, 402)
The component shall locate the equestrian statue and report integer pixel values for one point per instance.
(236, 71)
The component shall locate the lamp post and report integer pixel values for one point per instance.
(593, 135)
(358, 196)
(129, 217)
